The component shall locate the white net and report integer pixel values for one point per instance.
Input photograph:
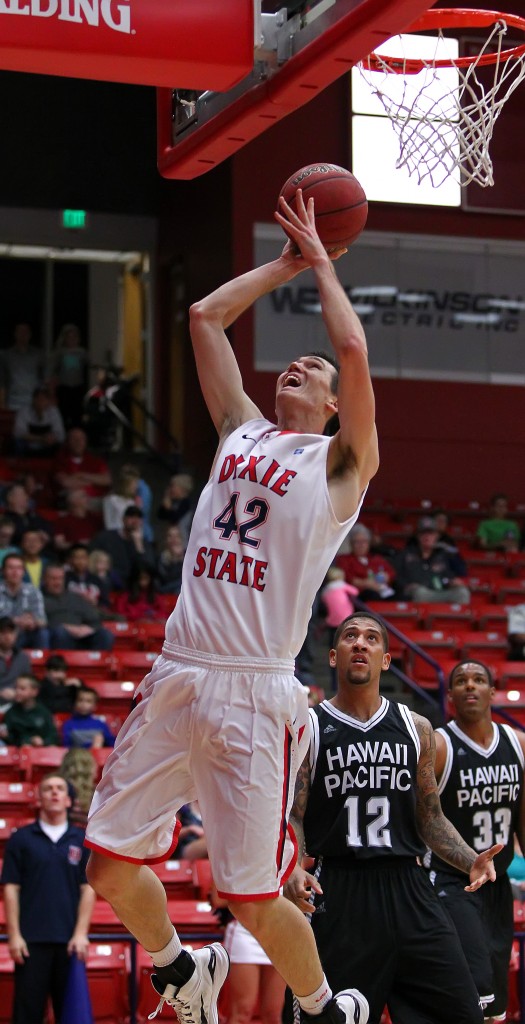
(444, 117)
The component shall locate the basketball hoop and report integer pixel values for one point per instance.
(446, 127)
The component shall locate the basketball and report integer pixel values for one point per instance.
(340, 203)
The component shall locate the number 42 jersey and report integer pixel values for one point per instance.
(480, 791)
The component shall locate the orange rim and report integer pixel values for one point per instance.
(453, 17)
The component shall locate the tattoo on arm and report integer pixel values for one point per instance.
(302, 790)
(436, 830)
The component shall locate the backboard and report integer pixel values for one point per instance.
(299, 51)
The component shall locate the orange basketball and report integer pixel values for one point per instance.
(340, 204)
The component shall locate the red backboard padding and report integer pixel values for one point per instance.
(191, 44)
(348, 33)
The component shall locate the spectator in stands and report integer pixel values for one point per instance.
(447, 542)
(84, 728)
(336, 599)
(75, 467)
(78, 524)
(140, 600)
(13, 661)
(371, 574)
(169, 562)
(48, 903)
(108, 580)
(336, 603)
(176, 506)
(38, 429)
(498, 532)
(79, 579)
(58, 690)
(130, 489)
(516, 632)
(424, 571)
(18, 511)
(79, 768)
(74, 624)
(69, 374)
(23, 603)
(21, 370)
(31, 547)
(122, 495)
(7, 530)
(127, 547)
(28, 721)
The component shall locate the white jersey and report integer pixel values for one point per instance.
(263, 536)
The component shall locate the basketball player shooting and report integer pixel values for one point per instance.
(221, 718)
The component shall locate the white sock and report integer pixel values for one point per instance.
(165, 956)
(316, 1002)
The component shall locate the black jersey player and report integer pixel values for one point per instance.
(479, 767)
(366, 807)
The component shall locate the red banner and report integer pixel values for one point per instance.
(185, 44)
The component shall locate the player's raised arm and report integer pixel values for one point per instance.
(354, 448)
(219, 374)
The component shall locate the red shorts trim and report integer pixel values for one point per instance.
(256, 898)
(137, 860)
(293, 859)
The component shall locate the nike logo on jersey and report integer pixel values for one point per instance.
(212, 963)
(248, 438)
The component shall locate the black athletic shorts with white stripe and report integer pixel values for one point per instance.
(382, 929)
(484, 921)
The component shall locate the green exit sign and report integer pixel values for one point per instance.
(74, 219)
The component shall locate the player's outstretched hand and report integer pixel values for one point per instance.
(299, 225)
(483, 869)
(299, 888)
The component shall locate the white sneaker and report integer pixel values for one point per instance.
(196, 1001)
(354, 1005)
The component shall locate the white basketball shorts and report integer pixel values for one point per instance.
(242, 947)
(228, 733)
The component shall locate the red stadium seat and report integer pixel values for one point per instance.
(104, 918)
(100, 755)
(177, 878)
(202, 877)
(114, 696)
(510, 592)
(125, 634)
(133, 665)
(89, 664)
(108, 971)
(39, 761)
(512, 673)
(436, 643)
(38, 657)
(488, 645)
(447, 617)
(151, 636)
(492, 616)
(17, 799)
(10, 769)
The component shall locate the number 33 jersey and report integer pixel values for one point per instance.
(362, 800)
(480, 790)
(263, 536)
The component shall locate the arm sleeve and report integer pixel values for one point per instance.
(12, 867)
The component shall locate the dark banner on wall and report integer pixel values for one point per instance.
(437, 308)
